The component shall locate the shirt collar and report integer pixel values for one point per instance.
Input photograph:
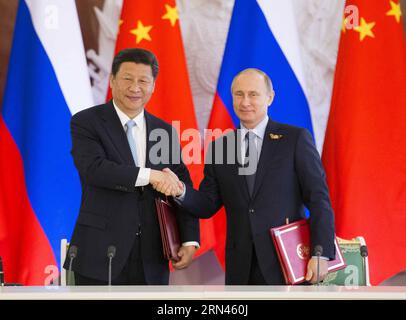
(259, 130)
(139, 119)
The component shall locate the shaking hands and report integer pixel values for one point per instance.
(166, 182)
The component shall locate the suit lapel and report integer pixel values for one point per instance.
(240, 178)
(150, 125)
(269, 147)
(116, 132)
(153, 123)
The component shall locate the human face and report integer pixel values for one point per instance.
(132, 87)
(251, 98)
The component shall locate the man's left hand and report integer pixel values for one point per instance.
(311, 274)
(185, 254)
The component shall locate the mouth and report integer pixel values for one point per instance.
(134, 99)
(244, 111)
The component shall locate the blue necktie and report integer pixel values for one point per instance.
(130, 124)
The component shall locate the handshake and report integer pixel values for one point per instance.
(166, 182)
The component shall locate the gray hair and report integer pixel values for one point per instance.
(267, 79)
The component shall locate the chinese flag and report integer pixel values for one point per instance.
(365, 145)
(154, 25)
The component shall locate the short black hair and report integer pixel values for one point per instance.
(136, 55)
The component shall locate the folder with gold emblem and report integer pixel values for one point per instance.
(168, 225)
(292, 243)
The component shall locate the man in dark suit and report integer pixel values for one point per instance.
(283, 174)
(112, 152)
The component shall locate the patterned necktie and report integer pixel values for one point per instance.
(130, 124)
(252, 156)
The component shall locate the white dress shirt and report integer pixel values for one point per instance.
(259, 132)
(139, 132)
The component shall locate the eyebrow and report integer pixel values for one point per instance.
(250, 91)
(126, 74)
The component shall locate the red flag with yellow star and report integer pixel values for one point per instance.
(365, 145)
(154, 25)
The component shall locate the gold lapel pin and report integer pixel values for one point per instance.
(275, 136)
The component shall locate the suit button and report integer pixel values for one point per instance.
(251, 211)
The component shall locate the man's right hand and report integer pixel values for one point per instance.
(166, 182)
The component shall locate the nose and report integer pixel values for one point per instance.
(245, 100)
(134, 87)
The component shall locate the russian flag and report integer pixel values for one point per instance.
(40, 191)
(262, 34)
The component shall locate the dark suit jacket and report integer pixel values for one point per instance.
(112, 207)
(289, 176)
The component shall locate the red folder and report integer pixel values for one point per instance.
(169, 228)
(292, 243)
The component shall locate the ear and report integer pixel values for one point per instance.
(271, 97)
(111, 81)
